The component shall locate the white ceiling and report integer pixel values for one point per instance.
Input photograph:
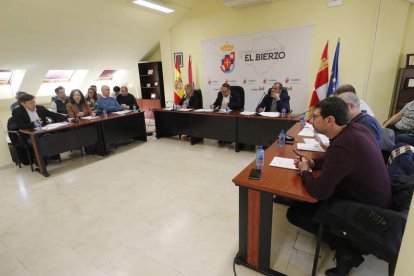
(46, 32)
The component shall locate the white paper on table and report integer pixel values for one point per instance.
(306, 132)
(310, 141)
(310, 147)
(308, 125)
(88, 118)
(281, 162)
(203, 110)
(122, 112)
(270, 114)
(168, 108)
(55, 125)
(322, 138)
(247, 113)
(185, 109)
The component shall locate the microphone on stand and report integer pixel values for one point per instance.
(260, 100)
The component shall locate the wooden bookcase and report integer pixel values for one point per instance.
(402, 94)
(152, 82)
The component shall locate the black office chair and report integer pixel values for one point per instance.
(239, 90)
(373, 230)
(198, 91)
(20, 151)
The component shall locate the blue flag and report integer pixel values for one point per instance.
(333, 81)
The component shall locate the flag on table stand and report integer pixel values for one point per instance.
(190, 72)
(333, 81)
(178, 85)
(321, 82)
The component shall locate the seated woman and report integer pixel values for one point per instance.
(92, 98)
(77, 107)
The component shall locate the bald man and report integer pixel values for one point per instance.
(106, 102)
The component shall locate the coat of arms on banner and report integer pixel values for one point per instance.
(229, 60)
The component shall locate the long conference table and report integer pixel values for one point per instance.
(98, 131)
(256, 204)
(234, 127)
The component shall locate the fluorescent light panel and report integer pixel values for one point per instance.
(153, 6)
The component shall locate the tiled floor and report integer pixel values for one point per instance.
(158, 208)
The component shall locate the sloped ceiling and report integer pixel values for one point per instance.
(47, 32)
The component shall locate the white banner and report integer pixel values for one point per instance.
(256, 61)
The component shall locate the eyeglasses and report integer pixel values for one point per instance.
(315, 116)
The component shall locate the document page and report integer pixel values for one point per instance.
(185, 109)
(247, 113)
(310, 147)
(270, 114)
(282, 162)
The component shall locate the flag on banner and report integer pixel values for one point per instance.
(190, 72)
(333, 81)
(178, 85)
(321, 82)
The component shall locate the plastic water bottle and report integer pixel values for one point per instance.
(282, 138)
(302, 120)
(283, 112)
(37, 125)
(134, 107)
(105, 114)
(227, 110)
(259, 157)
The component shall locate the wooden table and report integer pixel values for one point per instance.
(256, 204)
(99, 132)
(233, 127)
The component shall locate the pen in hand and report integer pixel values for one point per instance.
(299, 155)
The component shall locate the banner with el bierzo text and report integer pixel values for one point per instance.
(256, 61)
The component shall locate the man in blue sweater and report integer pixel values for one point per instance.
(352, 169)
(106, 102)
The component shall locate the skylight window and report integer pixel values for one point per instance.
(5, 77)
(58, 76)
(107, 75)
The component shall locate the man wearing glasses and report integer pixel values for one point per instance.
(352, 169)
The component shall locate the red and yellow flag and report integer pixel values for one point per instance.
(321, 82)
(178, 85)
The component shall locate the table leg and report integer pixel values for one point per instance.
(39, 156)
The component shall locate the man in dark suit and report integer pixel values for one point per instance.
(29, 112)
(191, 99)
(227, 98)
(275, 100)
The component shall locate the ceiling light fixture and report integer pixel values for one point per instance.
(153, 6)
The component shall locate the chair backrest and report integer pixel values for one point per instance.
(12, 130)
(198, 91)
(239, 90)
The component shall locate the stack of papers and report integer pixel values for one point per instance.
(203, 110)
(306, 132)
(248, 113)
(281, 162)
(88, 118)
(185, 109)
(270, 114)
(310, 141)
(310, 147)
(55, 125)
(122, 112)
(168, 108)
(322, 138)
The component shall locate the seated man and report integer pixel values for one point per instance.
(127, 100)
(349, 88)
(356, 115)
(106, 102)
(352, 169)
(60, 101)
(403, 121)
(190, 99)
(16, 104)
(29, 112)
(227, 98)
(275, 100)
